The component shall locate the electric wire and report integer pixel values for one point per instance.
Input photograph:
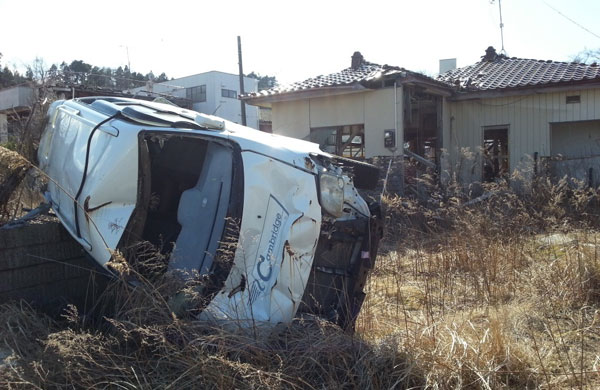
(571, 20)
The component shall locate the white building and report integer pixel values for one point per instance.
(213, 93)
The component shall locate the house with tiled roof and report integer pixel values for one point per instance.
(363, 111)
(524, 114)
(481, 121)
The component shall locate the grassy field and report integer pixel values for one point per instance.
(489, 307)
(503, 294)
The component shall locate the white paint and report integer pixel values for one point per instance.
(281, 219)
(215, 104)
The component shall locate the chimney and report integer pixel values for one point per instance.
(447, 65)
(357, 60)
(490, 54)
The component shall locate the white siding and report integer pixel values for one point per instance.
(215, 104)
(528, 119)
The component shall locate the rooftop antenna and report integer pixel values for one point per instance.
(501, 26)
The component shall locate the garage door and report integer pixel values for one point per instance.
(575, 147)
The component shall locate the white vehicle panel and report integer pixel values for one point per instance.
(279, 233)
(109, 195)
(136, 157)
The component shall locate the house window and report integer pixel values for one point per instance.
(229, 93)
(196, 94)
(347, 141)
(495, 153)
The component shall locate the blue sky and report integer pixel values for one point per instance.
(292, 40)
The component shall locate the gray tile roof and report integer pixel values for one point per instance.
(361, 73)
(347, 76)
(495, 72)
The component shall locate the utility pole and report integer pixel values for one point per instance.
(243, 105)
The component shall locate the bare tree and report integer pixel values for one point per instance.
(29, 126)
(587, 56)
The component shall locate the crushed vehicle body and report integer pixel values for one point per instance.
(274, 225)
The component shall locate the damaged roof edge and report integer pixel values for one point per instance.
(361, 73)
(438, 87)
(304, 93)
(523, 90)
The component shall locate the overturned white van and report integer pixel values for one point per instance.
(298, 237)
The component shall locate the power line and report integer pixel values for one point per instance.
(571, 20)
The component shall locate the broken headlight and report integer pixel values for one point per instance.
(332, 193)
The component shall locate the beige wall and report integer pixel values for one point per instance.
(528, 118)
(291, 118)
(374, 109)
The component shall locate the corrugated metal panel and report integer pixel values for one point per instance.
(528, 118)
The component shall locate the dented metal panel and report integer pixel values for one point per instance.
(270, 187)
(278, 237)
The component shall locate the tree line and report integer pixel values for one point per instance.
(9, 78)
(78, 72)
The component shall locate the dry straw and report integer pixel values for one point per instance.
(503, 293)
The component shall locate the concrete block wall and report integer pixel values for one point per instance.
(42, 264)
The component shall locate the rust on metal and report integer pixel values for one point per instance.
(88, 209)
(308, 163)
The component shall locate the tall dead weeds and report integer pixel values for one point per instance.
(500, 293)
(135, 340)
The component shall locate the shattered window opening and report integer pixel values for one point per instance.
(187, 198)
(346, 141)
(495, 153)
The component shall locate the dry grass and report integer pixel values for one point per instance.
(13, 169)
(140, 344)
(502, 294)
(19, 185)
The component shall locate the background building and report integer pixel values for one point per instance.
(213, 93)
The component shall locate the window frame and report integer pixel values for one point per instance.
(334, 143)
(229, 93)
(197, 93)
